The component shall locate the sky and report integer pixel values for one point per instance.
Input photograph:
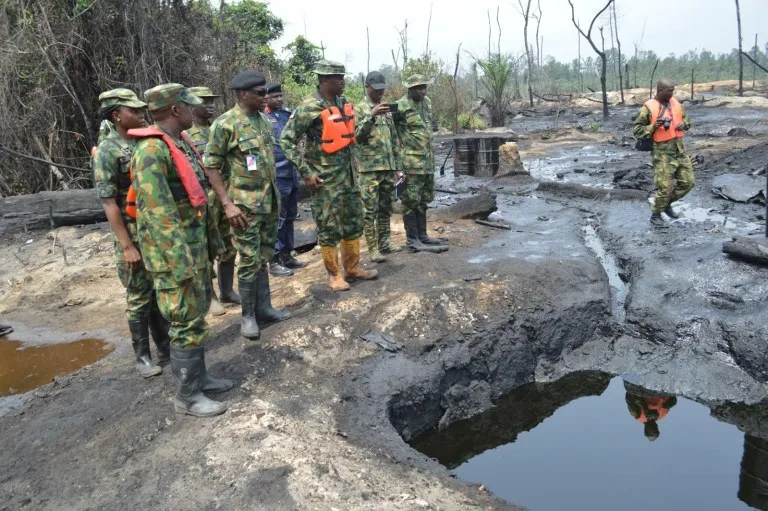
(671, 26)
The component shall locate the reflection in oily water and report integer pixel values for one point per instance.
(521, 410)
(545, 448)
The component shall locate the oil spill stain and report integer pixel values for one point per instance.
(25, 368)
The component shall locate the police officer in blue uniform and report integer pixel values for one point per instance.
(283, 263)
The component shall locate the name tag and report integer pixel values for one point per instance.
(250, 161)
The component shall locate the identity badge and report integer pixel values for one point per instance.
(250, 161)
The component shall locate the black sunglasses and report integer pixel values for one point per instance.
(259, 92)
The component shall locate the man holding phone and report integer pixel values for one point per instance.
(378, 163)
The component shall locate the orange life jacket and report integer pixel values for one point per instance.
(654, 403)
(338, 128)
(675, 115)
(187, 175)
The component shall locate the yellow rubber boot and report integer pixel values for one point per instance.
(331, 260)
(350, 258)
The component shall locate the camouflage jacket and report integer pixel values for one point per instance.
(644, 130)
(377, 145)
(199, 137)
(172, 234)
(414, 124)
(240, 149)
(111, 174)
(335, 169)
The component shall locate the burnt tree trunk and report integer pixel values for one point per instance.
(47, 210)
(741, 59)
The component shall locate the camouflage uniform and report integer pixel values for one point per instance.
(414, 123)
(336, 204)
(199, 135)
(236, 138)
(672, 168)
(172, 234)
(414, 126)
(111, 175)
(377, 152)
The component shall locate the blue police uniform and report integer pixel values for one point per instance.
(287, 184)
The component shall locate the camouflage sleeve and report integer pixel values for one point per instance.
(158, 216)
(432, 119)
(218, 146)
(105, 171)
(686, 120)
(363, 123)
(297, 126)
(643, 129)
(397, 147)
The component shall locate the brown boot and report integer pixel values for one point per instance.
(331, 260)
(350, 259)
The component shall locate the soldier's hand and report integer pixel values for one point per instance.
(235, 217)
(132, 257)
(313, 182)
(659, 123)
(380, 109)
(682, 127)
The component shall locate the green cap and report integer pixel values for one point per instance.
(202, 92)
(416, 80)
(329, 67)
(169, 94)
(120, 97)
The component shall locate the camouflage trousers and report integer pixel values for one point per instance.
(376, 190)
(184, 305)
(137, 283)
(338, 213)
(219, 219)
(419, 192)
(673, 177)
(255, 243)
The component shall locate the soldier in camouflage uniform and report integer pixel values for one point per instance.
(415, 123)
(174, 242)
(199, 134)
(378, 162)
(120, 111)
(672, 168)
(328, 172)
(240, 149)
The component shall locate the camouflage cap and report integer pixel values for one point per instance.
(169, 94)
(202, 92)
(120, 97)
(416, 80)
(330, 67)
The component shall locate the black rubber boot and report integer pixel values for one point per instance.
(291, 262)
(423, 236)
(159, 327)
(226, 278)
(212, 384)
(671, 212)
(657, 221)
(140, 336)
(188, 366)
(264, 310)
(413, 243)
(248, 328)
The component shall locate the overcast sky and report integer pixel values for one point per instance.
(671, 26)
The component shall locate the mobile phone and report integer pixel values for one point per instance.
(393, 107)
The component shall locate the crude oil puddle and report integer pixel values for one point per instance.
(582, 442)
(25, 368)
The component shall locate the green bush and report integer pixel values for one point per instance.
(594, 127)
(471, 122)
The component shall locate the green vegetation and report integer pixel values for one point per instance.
(471, 122)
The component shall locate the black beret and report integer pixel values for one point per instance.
(274, 87)
(248, 80)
